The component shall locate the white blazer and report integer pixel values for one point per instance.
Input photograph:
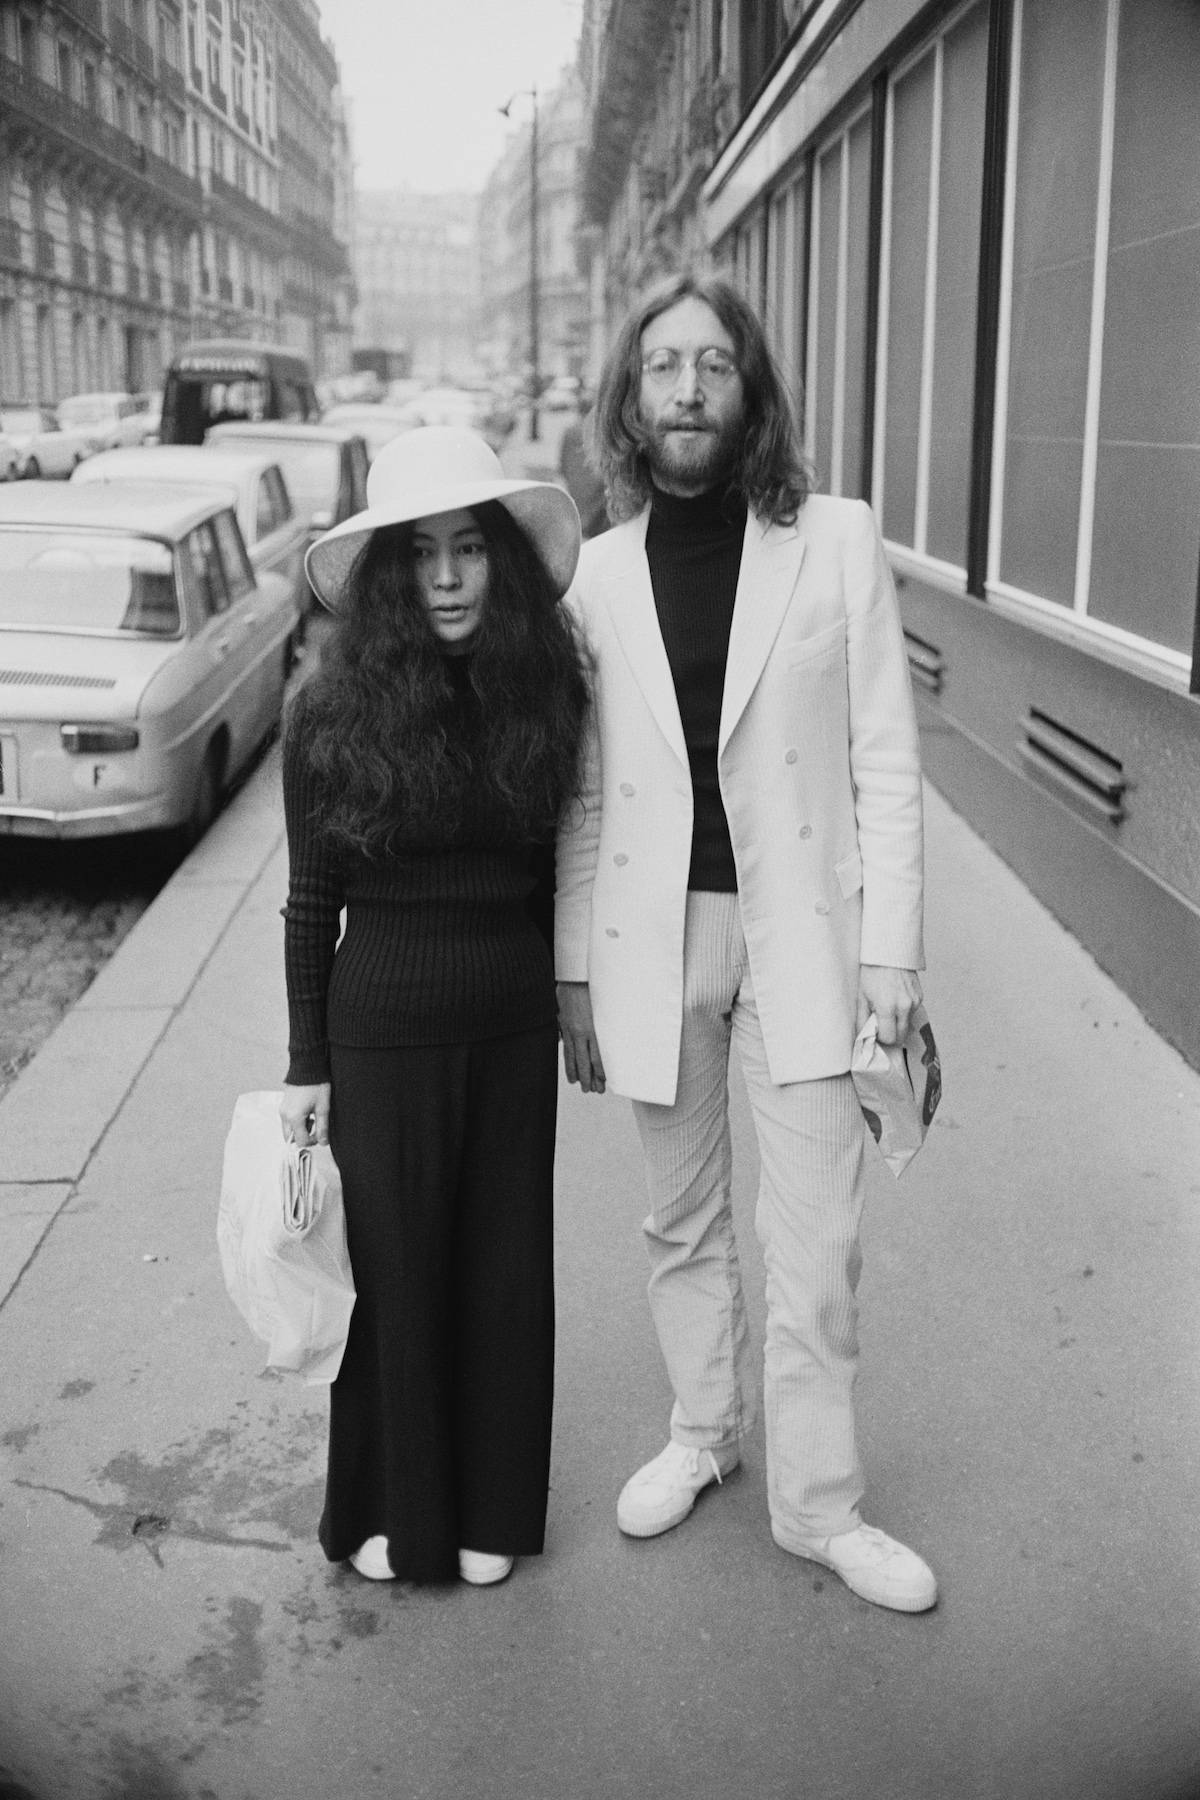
(819, 771)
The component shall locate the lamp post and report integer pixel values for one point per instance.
(535, 375)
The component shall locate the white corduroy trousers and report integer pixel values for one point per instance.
(810, 1141)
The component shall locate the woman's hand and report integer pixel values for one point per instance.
(581, 1052)
(304, 1114)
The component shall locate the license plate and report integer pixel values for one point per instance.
(8, 767)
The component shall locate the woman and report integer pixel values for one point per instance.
(426, 765)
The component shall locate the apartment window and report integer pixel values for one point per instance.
(1096, 474)
(91, 89)
(837, 336)
(928, 292)
(27, 39)
(66, 70)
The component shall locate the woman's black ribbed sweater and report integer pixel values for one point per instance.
(441, 945)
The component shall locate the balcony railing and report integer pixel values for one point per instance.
(249, 213)
(87, 12)
(10, 241)
(120, 36)
(53, 114)
(44, 255)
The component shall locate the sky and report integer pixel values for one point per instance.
(425, 79)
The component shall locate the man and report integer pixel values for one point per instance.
(746, 868)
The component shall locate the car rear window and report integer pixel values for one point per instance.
(65, 580)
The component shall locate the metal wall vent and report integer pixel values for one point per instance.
(1075, 765)
(926, 663)
(47, 678)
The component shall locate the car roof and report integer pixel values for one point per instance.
(197, 463)
(276, 429)
(101, 394)
(148, 509)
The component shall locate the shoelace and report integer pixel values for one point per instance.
(685, 1458)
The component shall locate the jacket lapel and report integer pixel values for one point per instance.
(771, 559)
(629, 598)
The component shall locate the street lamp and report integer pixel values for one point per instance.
(535, 376)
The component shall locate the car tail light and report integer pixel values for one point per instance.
(98, 740)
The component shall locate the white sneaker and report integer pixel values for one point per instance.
(874, 1566)
(482, 1569)
(371, 1560)
(663, 1492)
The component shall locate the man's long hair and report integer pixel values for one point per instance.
(377, 715)
(770, 472)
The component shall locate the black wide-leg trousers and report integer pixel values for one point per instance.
(440, 1416)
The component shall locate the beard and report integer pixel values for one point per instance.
(702, 456)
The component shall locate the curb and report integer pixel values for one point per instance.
(62, 1103)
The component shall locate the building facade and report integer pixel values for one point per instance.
(416, 260)
(518, 184)
(973, 229)
(148, 194)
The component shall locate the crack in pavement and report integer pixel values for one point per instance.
(123, 1525)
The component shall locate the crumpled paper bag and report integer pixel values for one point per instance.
(281, 1233)
(898, 1087)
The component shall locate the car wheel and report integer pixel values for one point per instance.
(206, 800)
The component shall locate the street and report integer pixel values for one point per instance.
(1027, 1413)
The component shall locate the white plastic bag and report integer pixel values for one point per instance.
(281, 1232)
(898, 1087)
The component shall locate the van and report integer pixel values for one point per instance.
(219, 379)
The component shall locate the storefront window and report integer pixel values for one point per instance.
(838, 297)
(929, 291)
(1146, 530)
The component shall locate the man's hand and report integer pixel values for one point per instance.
(581, 1052)
(891, 994)
(304, 1114)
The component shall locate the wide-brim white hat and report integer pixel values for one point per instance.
(442, 468)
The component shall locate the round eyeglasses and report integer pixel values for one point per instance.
(714, 368)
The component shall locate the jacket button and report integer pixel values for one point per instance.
(627, 787)
(611, 931)
(821, 907)
(620, 859)
(806, 831)
(791, 756)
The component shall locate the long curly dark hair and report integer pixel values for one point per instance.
(378, 712)
(771, 473)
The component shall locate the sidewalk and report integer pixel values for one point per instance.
(170, 1631)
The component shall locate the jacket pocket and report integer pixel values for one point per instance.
(849, 874)
(821, 643)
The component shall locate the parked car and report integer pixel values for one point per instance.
(108, 421)
(10, 458)
(276, 534)
(563, 394)
(43, 447)
(325, 466)
(375, 425)
(142, 661)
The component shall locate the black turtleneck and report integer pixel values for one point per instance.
(694, 548)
